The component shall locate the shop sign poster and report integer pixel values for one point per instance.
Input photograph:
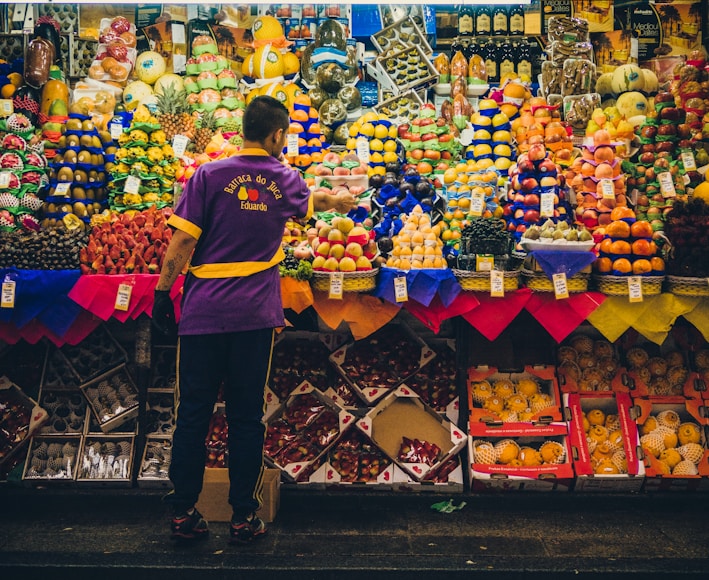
(554, 8)
(645, 25)
(599, 14)
(681, 27)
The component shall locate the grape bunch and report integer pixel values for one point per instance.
(295, 267)
(485, 236)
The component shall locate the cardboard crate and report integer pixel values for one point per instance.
(404, 32)
(160, 412)
(688, 410)
(426, 80)
(22, 411)
(95, 355)
(544, 477)
(214, 504)
(452, 482)
(401, 414)
(57, 373)
(296, 437)
(155, 463)
(116, 379)
(435, 383)
(383, 352)
(66, 410)
(63, 452)
(483, 420)
(619, 404)
(97, 466)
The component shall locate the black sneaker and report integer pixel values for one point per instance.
(188, 526)
(245, 531)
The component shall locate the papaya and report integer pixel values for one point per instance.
(55, 98)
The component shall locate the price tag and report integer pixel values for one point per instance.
(336, 282)
(688, 161)
(62, 189)
(686, 179)
(6, 108)
(484, 262)
(132, 184)
(116, 130)
(292, 145)
(561, 289)
(363, 150)
(5, 180)
(477, 203)
(667, 186)
(401, 291)
(497, 284)
(179, 144)
(7, 299)
(123, 297)
(607, 189)
(635, 289)
(546, 204)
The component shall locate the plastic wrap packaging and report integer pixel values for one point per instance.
(567, 29)
(579, 108)
(477, 71)
(559, 51)
(443, 66)
(552, 75)
(459, 65)
(579, 75)
(38, 59)
(459, 87)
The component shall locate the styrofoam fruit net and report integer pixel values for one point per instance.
(653, 443)
(615, 440)
(539, 402)
(671, 457)
(509, 416)
(620, 461)
(485, 453)
(494, 404)
(691, 452)
(612, 422)
(685, 468)
(592, 444)
(688, 433)
(481, 391)
(527, 387)
(669, 436)
(516, 403)
(606, 467)
(599, 433)
(503, 388)
(552, 452)
(669, 418)
(507, 450)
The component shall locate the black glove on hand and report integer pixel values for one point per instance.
(164, 313)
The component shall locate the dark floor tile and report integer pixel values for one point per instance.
(331, 545)
(504, 544)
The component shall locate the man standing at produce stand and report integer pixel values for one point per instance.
(232, 214)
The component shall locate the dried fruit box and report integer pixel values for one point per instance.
(513, 400)
(106, 461)
(538, 461)
(604, 442)
(587, 362)
(52, 459)
(404, 33)
(155, 463)
(417, 438)
(673, 437)
(379, 363)
(112, 397)
(302, 430)
(20, 417)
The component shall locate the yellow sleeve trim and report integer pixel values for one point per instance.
(257, 151)
(184, 225)
(236, 269)
(311, 207)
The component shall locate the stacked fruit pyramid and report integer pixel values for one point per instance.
(343, 246)
(492, 138)
(418, 244)
(379, 134)
(304, 122)
(145, 155)
(598, 182)
(78, 173)
(23, 175)
(534, 177)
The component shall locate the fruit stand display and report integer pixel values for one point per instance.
(476, 202)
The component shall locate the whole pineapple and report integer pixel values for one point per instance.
(207, 127)
(174, 116)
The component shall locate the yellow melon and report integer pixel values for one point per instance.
(268, 62)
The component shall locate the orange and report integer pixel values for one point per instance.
(623, 266)
(7, 91)
(658, 264)
(603, 265)
(642, 248)
(300, 116)
(642, 266)
(605, 246)
(620, 247)
(621, 212)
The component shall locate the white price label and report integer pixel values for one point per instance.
(561, 289)
(477, 203)
(292, 145)
(62, 189)
(5, 180)
(337, 280)
(497, 284)
(123, 297)
(8, 294)
(635, 289)
(6, 108)
(363, 150)
(179, 144)
(116, 130)
(484, 263)
(546, 204)
(667, 186)
(401, 291)
(607, 189)
(132, 184)
(688, 161)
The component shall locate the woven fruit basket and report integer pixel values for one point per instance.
(618, 285)
(351, 281)
(539, 282)
(686, 286)
(480, 281)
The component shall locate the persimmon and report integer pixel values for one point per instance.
(642, 247)
(618, 228)
(641, 229)
(603, 265)
(658, 264)
(622, 212)
(604, 153)
(623, 266)
(642, 267)
(620, 247)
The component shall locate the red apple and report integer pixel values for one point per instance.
(528, 184)
(403, 129)
(531, 216)
(531, 199)
(428, 136)
(537, 152)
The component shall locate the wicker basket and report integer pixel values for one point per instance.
(480, 281)
(351, 281)
(618, 285)
(539, 282)
(685, 286)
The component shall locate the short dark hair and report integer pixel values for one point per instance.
(263, 116)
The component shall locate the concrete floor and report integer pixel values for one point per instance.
(106, 534)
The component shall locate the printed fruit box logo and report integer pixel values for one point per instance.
(681, 26)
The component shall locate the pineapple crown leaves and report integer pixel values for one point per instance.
(172, 101)
(207, 121)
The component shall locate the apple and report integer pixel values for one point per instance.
(337, 251)
(547, 166)
(519, 214)
(347, 264)
(357, 235)
(428, 136)
(518, 198)
(525, 165)
(340, 171)
(425, 122)
(336, 237)
(416, 154)
(447, 155)
(363, 263)
(318, 263)
(531, 199)
(432, 154)
(531, 216)
(548, 182)
(528, 184)
(440, 122)
(537, 152)
(402, 129)
(445, 138)
(521, 228)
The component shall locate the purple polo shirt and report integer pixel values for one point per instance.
(237, 208)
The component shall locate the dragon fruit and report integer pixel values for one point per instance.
(19, 123)
(31, 202)
(29, 222)
(36, 160)
(6, 219)
(31, 177)
(13, 181)
(13, 143)
(11, 160)
(7, 200)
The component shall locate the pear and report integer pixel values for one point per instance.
(572, 236)
(548, 225)
(563, 226)
(557, 235)
(532, 233)
(585, 236)
(546, 234)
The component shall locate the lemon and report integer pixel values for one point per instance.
(376, 157)
(369, 117)
(351, 144)
(379, 170)
(393, 132)
(355, 129)
(376, 145)
(390, 145)
(367, 129)
(390, 156)
(381, 132)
